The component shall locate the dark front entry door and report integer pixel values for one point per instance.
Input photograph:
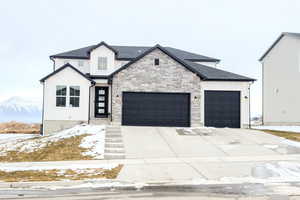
(156, 109)
(222, 109)
(101, 101)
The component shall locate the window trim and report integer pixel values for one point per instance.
(80, 63)
(103, 61)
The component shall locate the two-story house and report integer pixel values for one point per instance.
(142, 86)
(280, 74)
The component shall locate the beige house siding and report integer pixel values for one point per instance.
(168, 76)
(281, 81)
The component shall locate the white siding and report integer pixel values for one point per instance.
(74, 62)
(243, 87)
(102, 51)
(67, 77)
(281, 79)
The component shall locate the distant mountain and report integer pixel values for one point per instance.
(20, 109)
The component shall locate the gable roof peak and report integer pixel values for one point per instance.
(102, 43)
(276, 41)
(64, 67)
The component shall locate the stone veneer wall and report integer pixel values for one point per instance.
(168, 76)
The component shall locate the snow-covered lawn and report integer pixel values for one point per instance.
(93, 142)
(279, 128)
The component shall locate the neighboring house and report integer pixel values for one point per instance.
(280, 74)
(143, 86)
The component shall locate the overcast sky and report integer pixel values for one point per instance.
(235, 31)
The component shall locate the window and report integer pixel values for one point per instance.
(61, 92)
(74, 96)
(156, 61)
(80, 63)
(102, 63)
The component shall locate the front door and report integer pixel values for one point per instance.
(101, 101)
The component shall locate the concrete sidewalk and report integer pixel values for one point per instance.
(170, 169)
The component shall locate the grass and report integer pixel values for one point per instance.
(285, 134)
(65, 149)
(57, 175)
(18, 127)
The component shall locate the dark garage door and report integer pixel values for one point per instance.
(156, 109)
(222, 109)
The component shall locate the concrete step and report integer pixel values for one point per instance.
(113, 128)
(114, 150)
(112, 132)
(114, 145)
(114, 139)
(112, 156)
(113, 136)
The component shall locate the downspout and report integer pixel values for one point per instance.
(53, 63)
(42, 125)
(89, 113)
(250, 105)
(111, 91)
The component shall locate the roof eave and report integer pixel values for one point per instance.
(69, 57)
(271, 47)
(63, 67)
(228, 79)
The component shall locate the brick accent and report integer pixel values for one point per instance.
(168, 76)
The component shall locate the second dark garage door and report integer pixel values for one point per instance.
(156, 109)
(222, 109)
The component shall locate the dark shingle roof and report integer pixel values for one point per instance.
(131, 52)
(276, 41)
(204, 72)
(134, 53)
(214, 74)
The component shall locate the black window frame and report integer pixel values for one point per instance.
(61, 96)
(74, 96)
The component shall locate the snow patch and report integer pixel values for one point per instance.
(29, 143)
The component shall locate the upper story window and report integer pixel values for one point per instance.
(74, 96)
(61, 92)
(102, 63)
(80, 63)
(156, 61)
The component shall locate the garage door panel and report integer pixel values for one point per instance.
(156, 109)
(222, 109)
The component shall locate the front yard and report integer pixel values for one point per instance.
(288, 132)
(82, 142)
(60, 174)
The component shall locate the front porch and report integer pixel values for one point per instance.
(100, 103)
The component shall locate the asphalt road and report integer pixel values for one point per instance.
(207, 192)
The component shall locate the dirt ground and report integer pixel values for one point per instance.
(19, 127)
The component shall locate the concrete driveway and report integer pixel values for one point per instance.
(161, 154)
(164, 142)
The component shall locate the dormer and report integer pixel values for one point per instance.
(102, 59)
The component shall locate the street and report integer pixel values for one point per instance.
(275, 191)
